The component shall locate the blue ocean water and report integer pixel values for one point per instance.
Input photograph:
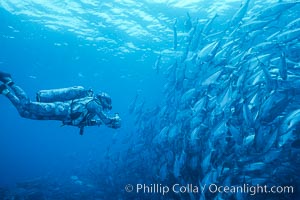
(207, 92)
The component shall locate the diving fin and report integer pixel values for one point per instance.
(5, 77)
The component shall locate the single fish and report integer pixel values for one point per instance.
(239, 15)
(175, 35)
(157, 64)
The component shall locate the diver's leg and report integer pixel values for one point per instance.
(47, 111)
(36, 110)
(19, 92)
(19, 105)
(17, 96)
(15, 100)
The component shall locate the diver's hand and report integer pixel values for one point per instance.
(115, 122)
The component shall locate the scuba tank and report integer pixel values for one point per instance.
(62, 94)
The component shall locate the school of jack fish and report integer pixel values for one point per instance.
(231, 110)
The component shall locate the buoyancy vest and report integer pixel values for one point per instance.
(79, 113)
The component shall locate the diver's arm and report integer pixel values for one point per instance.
(113, 122)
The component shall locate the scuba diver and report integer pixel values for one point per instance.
(74, 106)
